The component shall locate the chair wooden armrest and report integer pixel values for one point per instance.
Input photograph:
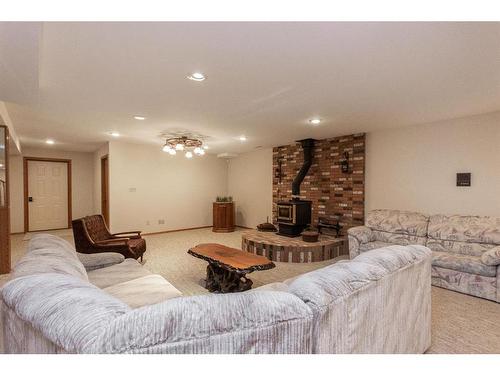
(136, 232)
(113, 241)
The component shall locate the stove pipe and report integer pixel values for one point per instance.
(307, 147)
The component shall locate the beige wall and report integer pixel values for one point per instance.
(414, 168)
(82, 183)
(250, 183)
(147, 185)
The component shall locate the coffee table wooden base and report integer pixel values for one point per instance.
(225, 281)
(227, 267)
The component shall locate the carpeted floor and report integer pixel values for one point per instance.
(460, 323)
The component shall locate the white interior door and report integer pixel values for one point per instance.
(47, 195)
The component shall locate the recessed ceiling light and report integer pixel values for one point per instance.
(197, 76)
(50, 141)
(140, 118)
(243, 138)
(114, 134)
(315, 121)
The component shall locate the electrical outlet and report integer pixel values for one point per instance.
(161, 221)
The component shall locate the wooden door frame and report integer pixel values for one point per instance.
(105, 214)
(26, 159)
(5, 258)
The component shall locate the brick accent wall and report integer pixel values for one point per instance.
(334, 195)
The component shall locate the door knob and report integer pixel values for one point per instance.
(30, 199)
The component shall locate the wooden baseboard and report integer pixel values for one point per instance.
(175, 230)
(165, 231)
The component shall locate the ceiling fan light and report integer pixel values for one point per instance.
(198, 150)
(179, 147)
(189, 154)
(166, 148)
(172, 151)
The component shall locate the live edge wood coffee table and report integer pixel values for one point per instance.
(227, 267)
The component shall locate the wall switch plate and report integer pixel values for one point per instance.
(132, 190)
(463, 179)
(161, 221)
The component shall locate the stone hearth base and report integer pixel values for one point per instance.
(293, 250)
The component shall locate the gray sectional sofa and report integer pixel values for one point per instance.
(465, 249)
(60, 302)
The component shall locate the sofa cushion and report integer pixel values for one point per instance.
(395, 221)
(478, 229)
(253, 322)
(394, 257)
(458, 247)
(146, 290)
(398, 238)
(373, 245)
(129, 269)
(321, 287)
(99, 260)
(50, 254)
(463, 263)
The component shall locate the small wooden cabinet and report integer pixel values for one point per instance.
(223, 217)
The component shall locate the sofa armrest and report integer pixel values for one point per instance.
(358, 236)
(99, 260)
(491, 257)
(251, 322)
(64, 309)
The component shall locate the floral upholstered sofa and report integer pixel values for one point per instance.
(465, 249)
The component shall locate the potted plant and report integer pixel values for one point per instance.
(223, 199)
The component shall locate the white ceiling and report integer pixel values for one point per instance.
(76, 82)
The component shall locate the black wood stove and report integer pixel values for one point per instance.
(295, 215)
